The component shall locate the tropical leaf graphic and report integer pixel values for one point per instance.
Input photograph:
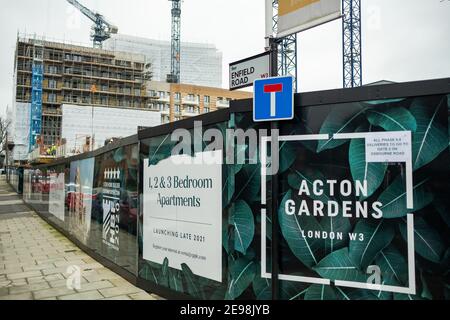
(243, 222)
(392, 119)
(290, 290)
(356, 294)
(339, 266)
(340, 120)
(320, 292)
(292, 226)
(361, 170)
(337, 225)
(191, 280)
(161, 151)
(385, 101)
(428, 242)
(431, 138)
(393, 266)
(393, 199)
(262, 288)
(242, 273)
(248, 183)
(377, 236)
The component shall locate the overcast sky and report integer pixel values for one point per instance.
(403, 40)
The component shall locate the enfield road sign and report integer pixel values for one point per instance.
(273, 99)
(244, 72)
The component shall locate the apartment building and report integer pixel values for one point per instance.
(201, 63)
(180, 101)
(73, 74)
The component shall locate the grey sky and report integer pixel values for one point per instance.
(403, 40)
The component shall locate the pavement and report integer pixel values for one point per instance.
(39, 263)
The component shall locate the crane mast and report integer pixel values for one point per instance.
(101, 30)
(174, 76)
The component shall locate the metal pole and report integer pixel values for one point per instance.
(274, 184)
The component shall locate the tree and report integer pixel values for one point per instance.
(4, 126)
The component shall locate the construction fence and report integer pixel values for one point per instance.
(358, 209)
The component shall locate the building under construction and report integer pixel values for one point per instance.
(72, 74)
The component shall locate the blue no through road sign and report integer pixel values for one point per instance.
(273, 99)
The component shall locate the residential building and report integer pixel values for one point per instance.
(70, 74)
(201, 64)
(180, 101)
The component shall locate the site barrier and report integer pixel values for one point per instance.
(358, 209)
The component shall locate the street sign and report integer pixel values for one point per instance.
(244, 72)
(273, 99)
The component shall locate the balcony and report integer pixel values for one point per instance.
(190, 113)
(165, 111)
(190, 101)
(221, 104)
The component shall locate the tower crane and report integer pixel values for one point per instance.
(174, 76)
(101, 30)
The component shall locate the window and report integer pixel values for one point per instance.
(206, 109)
(51, 97)
(52, 83)
(177, 96)
(177, 108)
(206, 99)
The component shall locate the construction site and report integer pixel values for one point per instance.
(133, 172)
(50, 76)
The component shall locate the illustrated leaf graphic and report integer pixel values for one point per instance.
(339, 120)
(393, 266)
(242, 274)
(225, 237)
(161, 151)
(320, 292)
(262, 288)
(290, 290)
(427, 241)
(248, 183)
(385, 101)
(443, 210)
(392, 119)
(401, 296)
(377, 236)
(288, 154)
(339, 266)
(193, 287)
(393, 199)
(292, 226)
(356, 294)
(361, 170)
(228, 176)
(175, 280)
(337, 225)
(242, 220)
(431, 138)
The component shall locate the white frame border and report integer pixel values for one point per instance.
(411, 289)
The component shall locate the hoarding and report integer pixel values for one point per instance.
(244, 72)
(298, 15)
(183, 214)
(57, 195)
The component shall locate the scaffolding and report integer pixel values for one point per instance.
(37, 76)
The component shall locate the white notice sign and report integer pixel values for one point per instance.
(183, 213)
(388, 146)
(244, 72)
